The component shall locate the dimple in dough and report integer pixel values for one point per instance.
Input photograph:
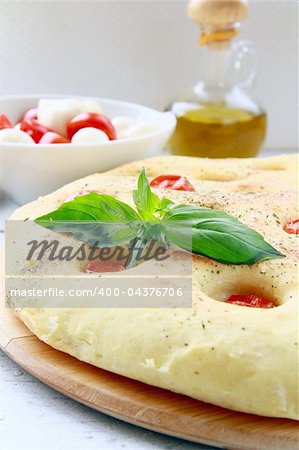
(244, 359)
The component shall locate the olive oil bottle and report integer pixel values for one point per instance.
(219, 118)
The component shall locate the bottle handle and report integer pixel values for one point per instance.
(245, 54)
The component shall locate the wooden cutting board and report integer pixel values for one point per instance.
(137, 403)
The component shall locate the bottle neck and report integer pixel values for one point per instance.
(216, 67)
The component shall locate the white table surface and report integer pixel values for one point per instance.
(35, 417)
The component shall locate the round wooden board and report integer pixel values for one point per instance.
(137, 403)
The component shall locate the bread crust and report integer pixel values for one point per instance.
(243, 359)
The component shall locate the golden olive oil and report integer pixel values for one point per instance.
(218, 131)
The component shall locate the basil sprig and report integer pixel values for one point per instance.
(203, 231)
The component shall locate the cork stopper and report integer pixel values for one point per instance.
(218, 19)
(217, 12)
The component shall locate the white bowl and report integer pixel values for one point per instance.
(30, 170)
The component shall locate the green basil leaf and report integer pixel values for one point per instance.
(216, 235)
(99, 220)
(92, 207)
(148, 204)
(165, 205)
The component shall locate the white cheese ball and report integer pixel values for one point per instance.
(89, 135)
(122, 123)
(92, 106)
(56, 113)
(15, 136)
(139, 129)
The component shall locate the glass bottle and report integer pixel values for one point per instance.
(220, 119)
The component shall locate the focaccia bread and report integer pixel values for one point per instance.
(244, 359)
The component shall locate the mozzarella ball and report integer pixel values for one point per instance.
(55, 114)
(92, 106)
(122, 123)
(138, 129)
(15, 136)
(89, 135)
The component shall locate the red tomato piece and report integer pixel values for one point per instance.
(105, 266)
(5, 122)
(53, 138)
(31, 114)
(175, 182)
(251, 301)
(34, 129)
(292, 227)
(92, 120)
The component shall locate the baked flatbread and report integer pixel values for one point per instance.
(244, 359)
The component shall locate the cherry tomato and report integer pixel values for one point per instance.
(53, 138)
(34, 129)
(292, 227)
(250, 300)
(104, 266)
(5, 122)
(30, 114)
(92, 120)
(175, 182)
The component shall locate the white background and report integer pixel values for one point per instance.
(142, 50)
